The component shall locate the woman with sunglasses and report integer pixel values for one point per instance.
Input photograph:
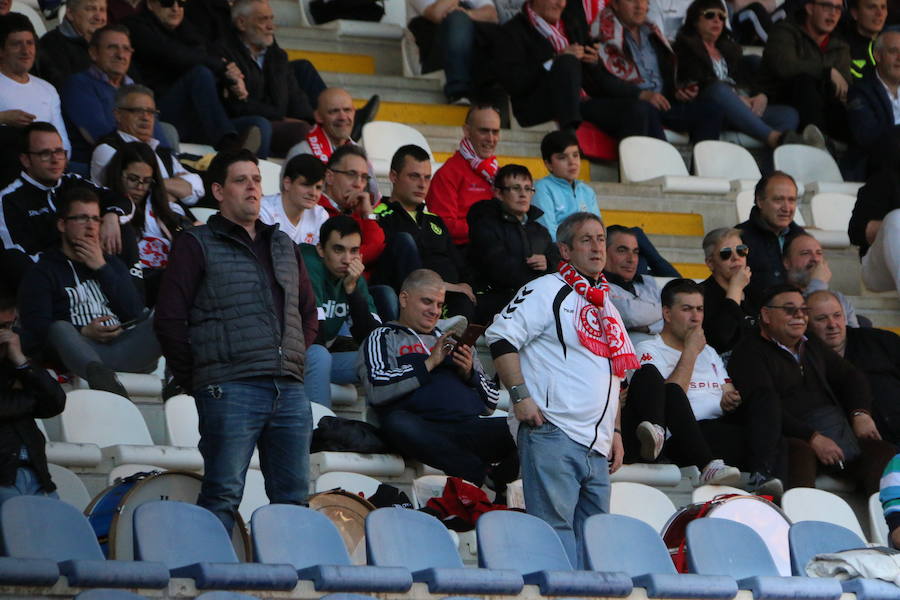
(134, 173)
(727, 313)
(710, 60)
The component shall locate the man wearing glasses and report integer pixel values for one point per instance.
(825, 401)
(806, 267)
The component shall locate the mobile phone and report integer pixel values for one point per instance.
(130, 324)
(471, 335)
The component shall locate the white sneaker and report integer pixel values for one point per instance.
(652, 437)
(455, 325)
(813, 136)
(718, 473)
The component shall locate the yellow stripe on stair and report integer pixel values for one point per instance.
(661, 223)
(336, 62)
(692, 270)
(413, 113)
(535, 165)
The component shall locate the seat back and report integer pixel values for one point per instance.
(69, 487)
(426, 487)
(182, 422)
(355, 483)
(382, 139)
(271, 177)
(831, 211)
(878, 527)
(725, 547)
(521, 542)
(34, 16)
(641, 502)
(41, 527)
(705, 493)
(724, 160)
(180, 534)
(399, 537)
(642, 158)
(203, 214)
(643, 552)
(810, 504)
(807, 164)
(102, 418)
(319, 411)
(808, 538)
(745, 201)
(276, 529)
(106, 593)
(254, 494)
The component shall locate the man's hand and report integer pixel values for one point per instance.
(233, 72)
(840, 85)
(617, 453)
(88, 251)
(462, 288)
(527, 412)
(731, 398)
(576, 50)
(864, 427)
(462, 358)
(591, 55)
(111, 234)
(16, 118)
(537, 262)
(695, 341)
(99, 332)
(659, 101)
(11, 347)
(737, 283)
(872, 228)
(239, 90)
(758, 104)
(687, 93)
(822, 272)
(826, 450)
(441, 349)
(354, 270)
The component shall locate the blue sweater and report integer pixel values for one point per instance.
(557, 198)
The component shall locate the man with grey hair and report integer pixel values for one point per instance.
(805, 267)
(63, 51)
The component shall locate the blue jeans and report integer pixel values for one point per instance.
(738, 116)
(386, 302)
(270, 413)
(324, 368)
(564, 483)
(26, 484)
(700, 119)
(457, 43)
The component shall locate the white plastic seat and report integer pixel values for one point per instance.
(386, 465)
(183, 429)
(343, 394)
(651, 161)
(354, 483)
(814, 167)
(655, 475)
(138, 385)
(383, 29)
(427, 487)
(744, 202)
(33, 15)
(741, 139)
(831, 216)
(515, 495)
(382, 139)
(271, 177)
(878, 528)
(724, 160)
(810, 504)
(195, 149)
(254, 494)
(705, 493)
(67, 454)
(69, 487)
(319, 411)
(203, 214)
(641, 502)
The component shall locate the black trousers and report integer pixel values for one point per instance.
(815, 101)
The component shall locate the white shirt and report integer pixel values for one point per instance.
(894, 100)
(271, 212)
(154, 246)
(707, 380)
(37, 97)
(416, 8)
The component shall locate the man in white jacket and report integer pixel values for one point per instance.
(561, 350)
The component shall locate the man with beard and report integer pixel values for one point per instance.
(805, 267)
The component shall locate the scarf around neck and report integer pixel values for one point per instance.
(598, 323)
(612, 50)
(486, 167)
(556, 34)
(319, 144)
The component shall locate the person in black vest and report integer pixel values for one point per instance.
(235, 315)
(64, 50)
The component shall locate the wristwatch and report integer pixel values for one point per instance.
(517, 393)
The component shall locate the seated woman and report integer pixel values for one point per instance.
(727, 312)
(134, 173)
(710, 60)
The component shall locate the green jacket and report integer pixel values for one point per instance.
(790, 52)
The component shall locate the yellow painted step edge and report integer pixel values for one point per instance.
(665, 223)
(692, 270)
(336, 62)
(894, 329)
(414, 113)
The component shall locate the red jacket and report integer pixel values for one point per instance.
(372, 233)
(454, 189)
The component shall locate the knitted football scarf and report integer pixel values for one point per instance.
(556, 34)
(612, 51)
(486, 167)
(319, 143)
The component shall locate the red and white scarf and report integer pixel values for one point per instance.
(319, 143)
(556, 34)
(612, 47)
(598, 323)
(486, 167)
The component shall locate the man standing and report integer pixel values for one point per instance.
(805, 267)
(64, 50)
(568, 436)
(636, 296)
(235, 316)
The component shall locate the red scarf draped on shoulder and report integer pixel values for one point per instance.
(612, 50)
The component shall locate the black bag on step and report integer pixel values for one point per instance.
(324, 11)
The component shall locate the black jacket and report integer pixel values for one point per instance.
(210, 19)
(59, 56)
(25, 395)
(764, 259)
(725, 321)
(877, 198)
(876, 352)
(695, 64)
(869, 112)
(499, 244)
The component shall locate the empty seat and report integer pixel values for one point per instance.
(744, 202)
(705, 493)
(22, 8)
(355, 483)
(724, 160)
(203, 214)
(814, 168)
(398, 537)
(810, 504)
(69, 487)
(271, 176)
(183, 429)
(382, 139)
(878, 529)
(808, 538)
(191, 542)
(831, 216)
(641, 502)
(278, 527)
(655, 162)
(527, 544)
(724, 547)
(67, 454)
(37, 527)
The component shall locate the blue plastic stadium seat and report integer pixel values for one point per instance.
(723, 547)
(399, 537)
(871, 589)
(644, 558)
(105, 594)
(192, 542)
(276, 529)
(527, 544)
(28, 571)
(37, 527)
(225, 596)
(346, 597)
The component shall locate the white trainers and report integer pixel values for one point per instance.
(718, 473)
(455, 325)
(652, 437)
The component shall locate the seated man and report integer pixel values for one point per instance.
(875, 227)
(727, 312)
(806, 268)
(27, 392)
(875, 352)
(296, 209)
(825, 401)
(767, 231)
(78, 305)
(868, 18)
(64, 50)
(468, 176)
(342, 300)
(636, 296)
(135, 116)
(416, 238)
(431, 394)
(508, 246)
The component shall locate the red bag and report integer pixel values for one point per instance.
(461, 500)
(596, 144)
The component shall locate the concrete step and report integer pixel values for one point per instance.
(391, 88)
(413, 113)
(386, 53)
(336, 62)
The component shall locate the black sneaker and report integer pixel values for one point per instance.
(762, 484)
(171, 388)
(100, 377)
(364, 115)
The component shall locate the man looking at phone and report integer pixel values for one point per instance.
(77, 305)
(430, 392)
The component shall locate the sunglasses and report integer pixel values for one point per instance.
(171, 3)
(742, 250)
(709, 15)
(791, 310)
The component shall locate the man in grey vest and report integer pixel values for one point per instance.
(235, 316)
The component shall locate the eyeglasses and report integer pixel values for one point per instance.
(709, 15)
(47, 155)
(84, 219)
(742, 251)
(364, 177)
(518, 189)
(137, 110)
(136, 181)
(171, 3)
(792, 310)
(829, 7)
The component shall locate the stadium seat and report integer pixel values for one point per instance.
(723, 160)
(67, 454)
(426, 487)
(183, 429)
(383, 29)
(725, 547)
(37, 527)
(343, 394)
(319, 411)
(705, 493)
(655, 475)
(271, 177)
(254, 494)
(515, 495)
(641, 502)
(28, 571)
(810, 504)
(398, 537)
(277, 528)
(69, 487)
(808, 538)
(355, 483)
(814, 168)
(644, 558)
(385, 465)
(878, 529)
(382, 139)
(831, 216)
(192, 543)
(225, 596)
(107, 594)
(21, 7)
(203, 214)
(138, 385)
(195, 149)
(744, 203)
(342, 596)
(651, 161)
(527, 544)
